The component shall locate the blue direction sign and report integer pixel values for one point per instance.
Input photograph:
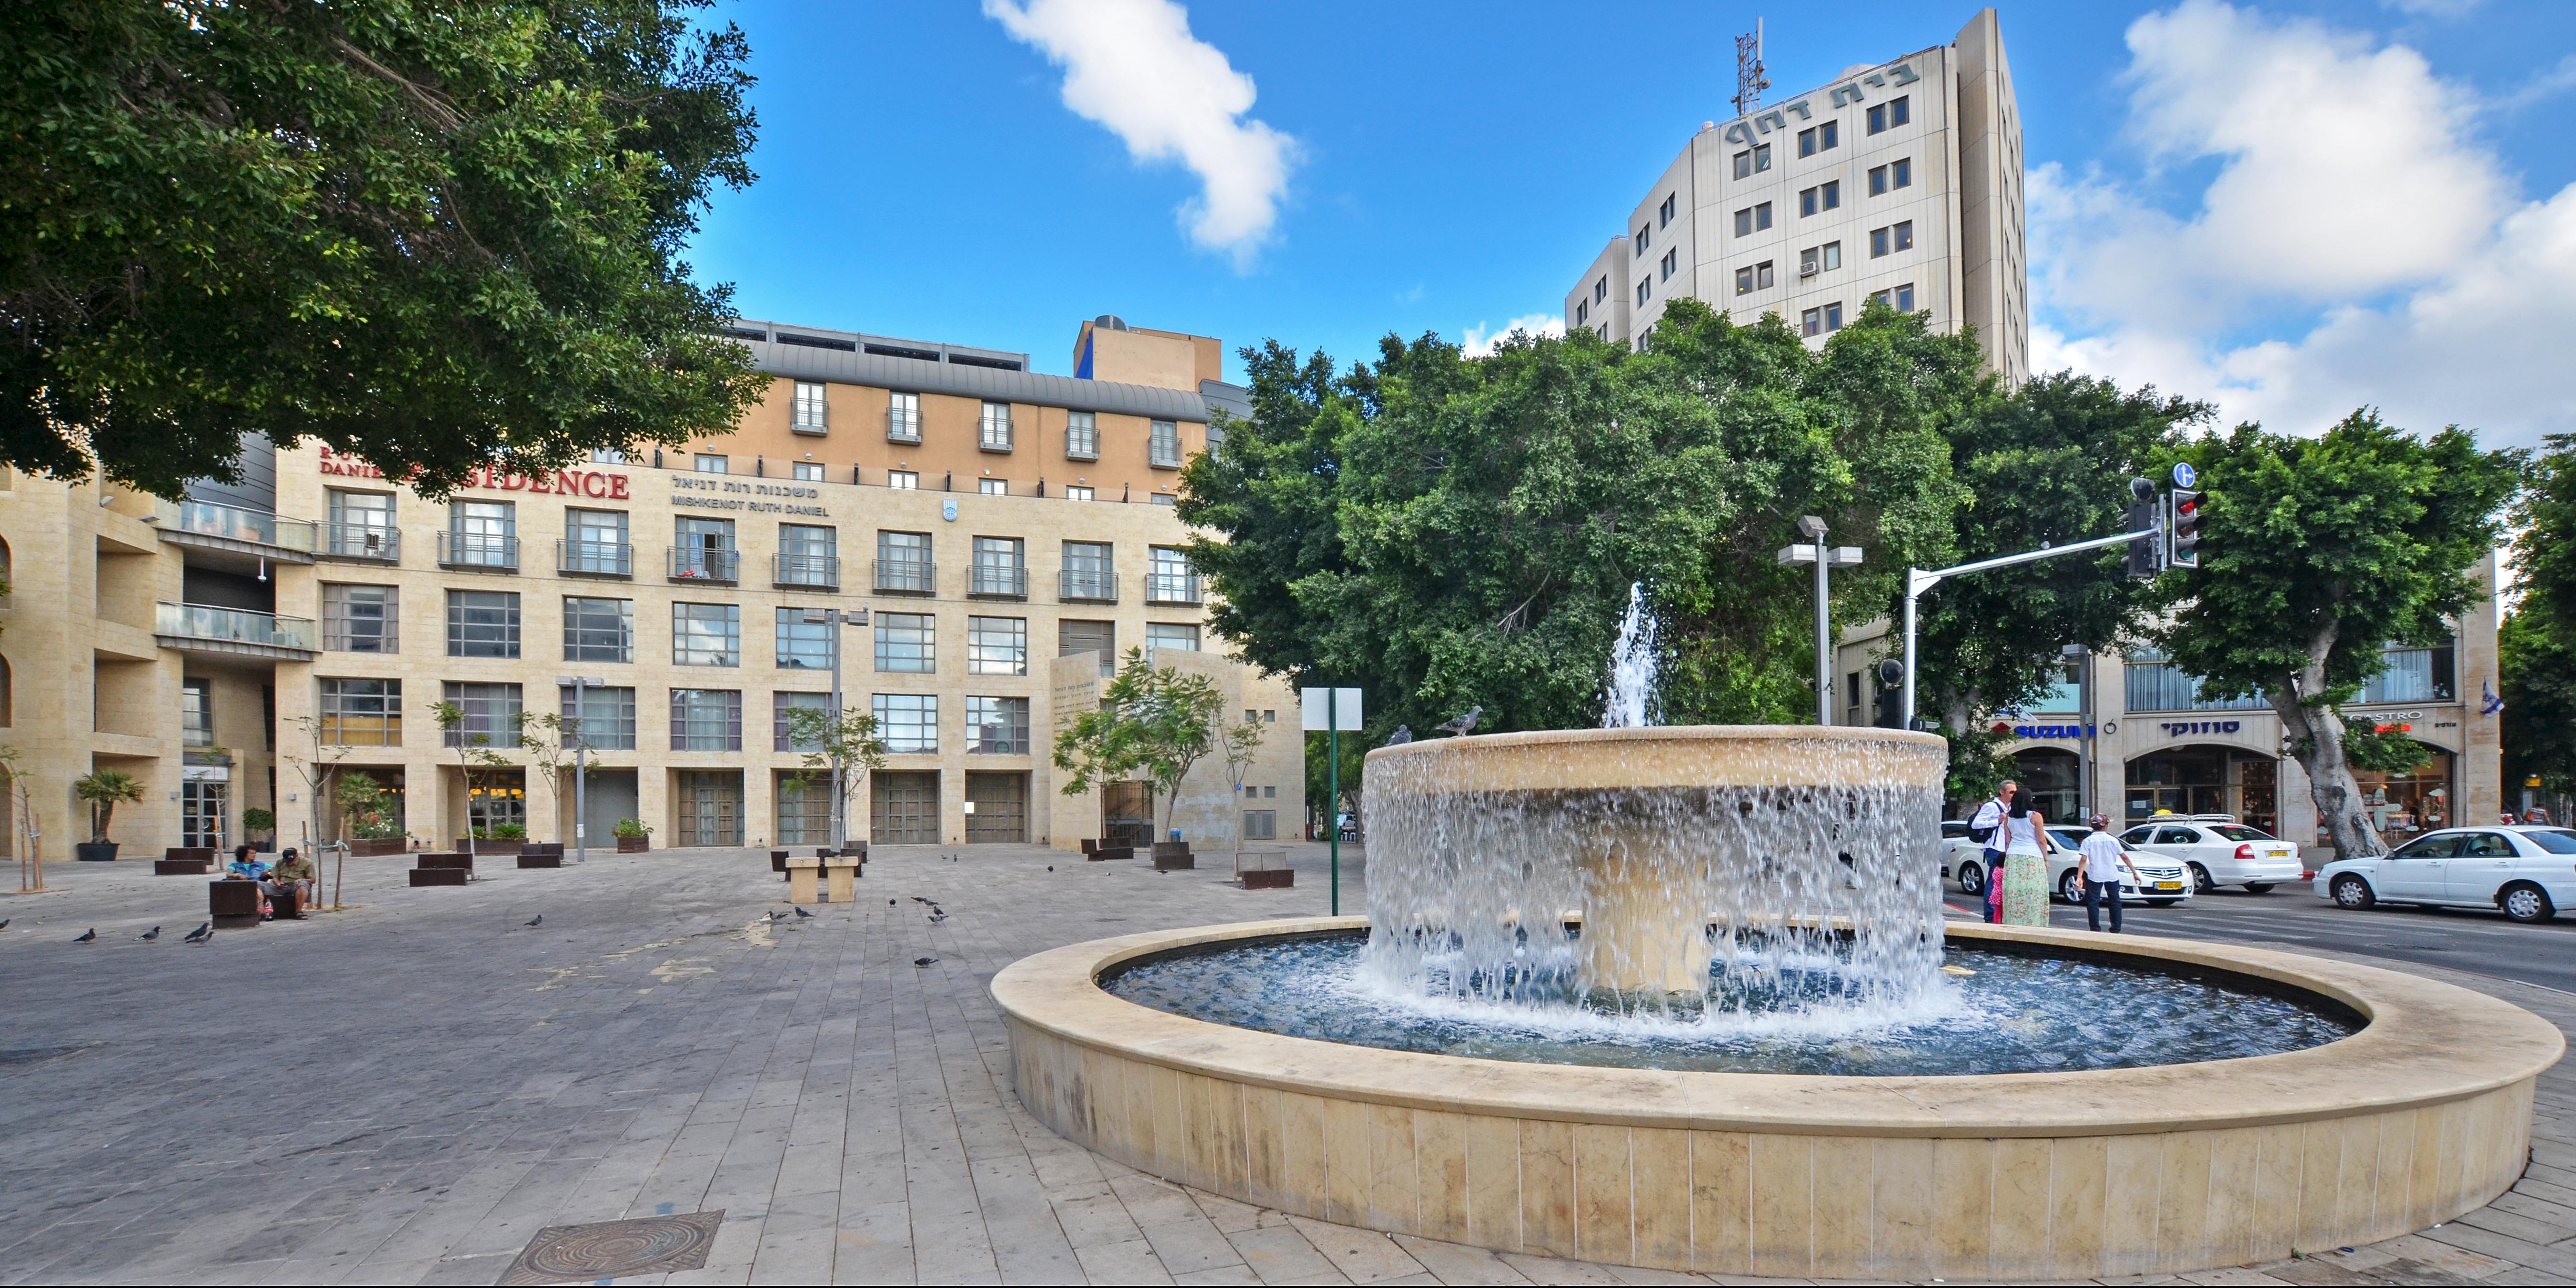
(2185, 475)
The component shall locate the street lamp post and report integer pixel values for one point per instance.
(833, 620)
(580, 764)
(1814, 551)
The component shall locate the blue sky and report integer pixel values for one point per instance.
(2290, 209)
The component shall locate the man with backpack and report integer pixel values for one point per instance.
(1986, 829)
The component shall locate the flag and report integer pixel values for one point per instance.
(2492, 704)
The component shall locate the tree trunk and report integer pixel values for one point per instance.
(2316, 736)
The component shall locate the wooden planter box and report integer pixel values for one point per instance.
(1270, 879)
(634, 844)
(377, 847)
(182, 867)
(496, 849)
(439, 876)
(190, 854)
(433, 861)
(232, 903)
(1173, 856)
(532, 860)
(1104, 853)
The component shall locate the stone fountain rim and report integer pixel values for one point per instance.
(1669, 756)
(2424, 1043)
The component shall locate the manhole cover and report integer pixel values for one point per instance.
(616, 1249)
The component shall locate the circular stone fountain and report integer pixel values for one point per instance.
(1602, 969)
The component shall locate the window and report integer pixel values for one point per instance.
(362, 524)
(1601, 289)
(993, 487)
(806, 472)
(997, 646)
(482, 623)
(703, 550)
(713, 463)
(809, 407)
(491, 714)
(2415, 675)
(808, 555)
(905, 480)
(1082, 436)
(1820, 259)
(903, 418)
(1895, 174)
(804, 645)
(1819, 321)
(361, 619)
(361, 713)
(598, 630)
(1822, 197)
(905, 642)
(1179, 636)
(706, 719)
(607, 456)
(1819, 138)
(1744, 280)
(997, 726)
(1900, 298)
(1752, 161)
(1641, 241)
(907, 723)
(1076, 636)
(1644, 288)
(1163, 445)
(1752, 219)
(782, 708)
(1757, 277)
(1074, 493)
(605, 720)
(1260, 824)
(595, 542)
(1903, 235)
(196, 714)
(1582, 312)
(1672, 260)
(483, 534)
(1000, 568)
(2155, 684)
(706, 635)
(996, 435)
(1664, 213)
(1893, 113)
(1834, 317)
(1090, 570)
(903, 563)
(1168, 577)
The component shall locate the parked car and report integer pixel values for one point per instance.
(2529, 872)
(2220, 851)
(2160, 882)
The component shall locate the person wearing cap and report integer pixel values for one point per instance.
(2103, 864)
(295, 872)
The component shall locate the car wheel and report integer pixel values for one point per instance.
(2352, 892)
(2200, 882)
(2162, 903)
(2258, 887)
(2071, 886)
(1972, 878)
(2525, 903)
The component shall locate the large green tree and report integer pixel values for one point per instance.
(1449, 533)
(2536, 648)
(434, 234)
(2317, 554)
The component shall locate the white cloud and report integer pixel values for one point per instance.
(1134, 67)
(1479, 342)
(2434, 8)
(2542, 87)
(2353, 215)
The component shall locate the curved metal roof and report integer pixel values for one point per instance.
(923, 375)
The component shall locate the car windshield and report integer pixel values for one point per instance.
(2556, 840)
(2238, 832)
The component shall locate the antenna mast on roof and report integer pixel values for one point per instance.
(1749, 79)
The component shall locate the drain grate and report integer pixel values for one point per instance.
(616, 1249)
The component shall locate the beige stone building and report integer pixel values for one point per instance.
(1005, 532)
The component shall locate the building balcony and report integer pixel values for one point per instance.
(906, 577)
(1082, 447)
(1172, 588)
(478, 550)
(240, 632)
(364, 542)
(807, 572)
(595, 558)
(246, 535)
(1090, 586)
(705, 563)
(998, 581)
(904, 430)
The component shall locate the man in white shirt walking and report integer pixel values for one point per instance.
(2103, 865)
(1986, 829)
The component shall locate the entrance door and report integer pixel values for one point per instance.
(710, 807)
(1126, 813)
(611, 795)
(201, 812)
(903, 807)
(1001, 813)
(804, 808)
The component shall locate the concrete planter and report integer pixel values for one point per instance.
(94, 851)
(378, 847)
(1173, 856)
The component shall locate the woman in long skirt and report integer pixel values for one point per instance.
(2025, 867)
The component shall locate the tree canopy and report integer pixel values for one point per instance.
(2536, 647)
(432, 234)
(1156, 722)
(1448, 533)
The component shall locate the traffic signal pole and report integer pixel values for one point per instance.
(1918, 581)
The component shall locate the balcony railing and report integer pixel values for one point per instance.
(362, 541)
(1096, 585)
(1082, 445)
(595, 558)
(999, 581)
(1171, 588)
(907, 576)
(704, 563)
(234, 523)
(903, 429)
(233, 626)
(478, 550)
(822, 572)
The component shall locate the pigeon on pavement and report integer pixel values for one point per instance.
(87, 936)
(540, 920)
(205, 930)
(923, 961)
(206, 938)
(937, 917)
(4, 922)
(150, 935)
(804, 914)
(919, 899)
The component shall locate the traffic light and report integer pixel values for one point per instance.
(1890, 676)
(2146, 551)
(2182, 528)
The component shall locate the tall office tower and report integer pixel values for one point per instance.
(1899, 180)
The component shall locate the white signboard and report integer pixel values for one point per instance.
(1345, 713)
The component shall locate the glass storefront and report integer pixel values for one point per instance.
(2049, 783)
(2401, 805)
(2206, 780)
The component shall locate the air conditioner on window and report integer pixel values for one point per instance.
(1807, 267)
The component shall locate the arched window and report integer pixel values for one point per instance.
(8, 695)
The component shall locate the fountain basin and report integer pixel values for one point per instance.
(2423, 1114)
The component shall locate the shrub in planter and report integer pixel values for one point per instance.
(103, 790)
(633, 836)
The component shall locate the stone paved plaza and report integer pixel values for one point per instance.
(410, 1091)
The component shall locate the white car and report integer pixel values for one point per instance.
(2160, 882)
(2528, 872)
(2220, 851)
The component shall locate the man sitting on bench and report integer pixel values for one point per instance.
(293, 876)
